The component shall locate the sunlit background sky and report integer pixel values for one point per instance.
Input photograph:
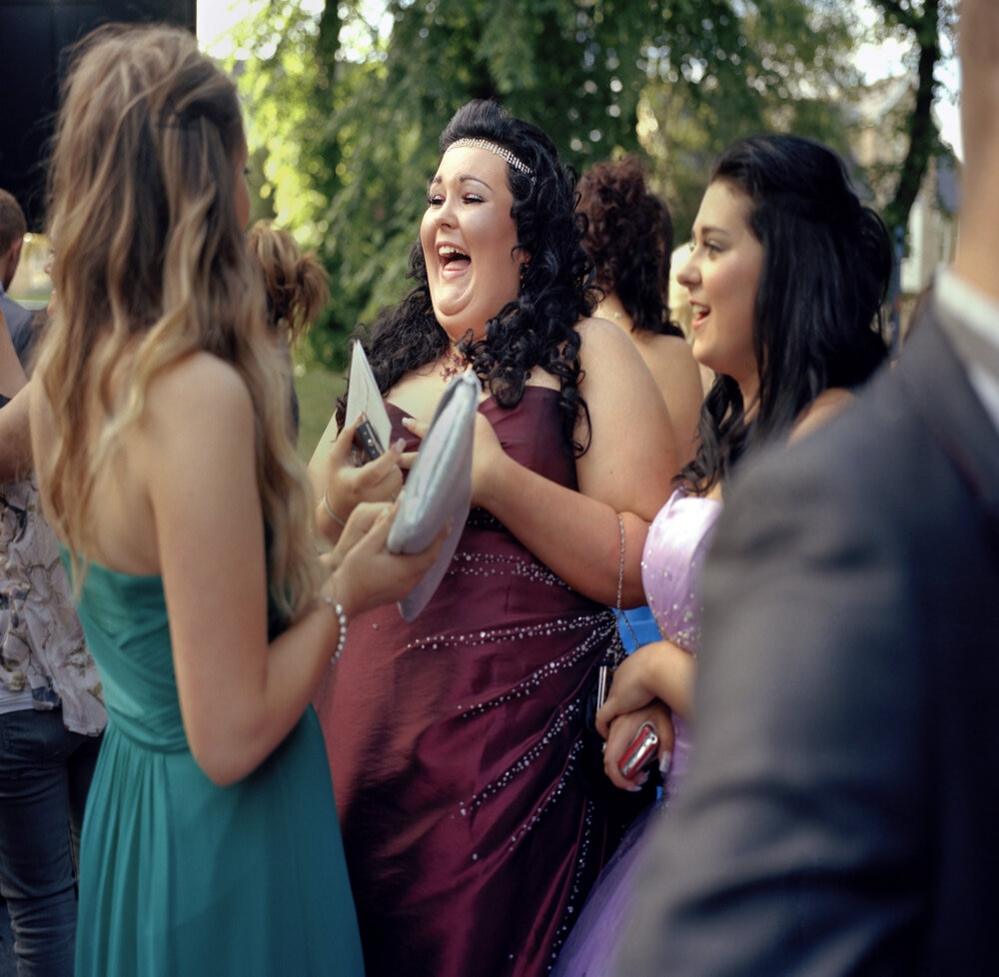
(216, 19)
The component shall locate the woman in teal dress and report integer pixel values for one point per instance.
(159, 422)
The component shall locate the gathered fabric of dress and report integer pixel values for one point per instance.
(672, 564)
(178, 875)
(456, 743)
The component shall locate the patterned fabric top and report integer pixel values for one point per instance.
(41, 642)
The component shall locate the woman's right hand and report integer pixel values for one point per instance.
(348, 485)
(623, 730)
(367, 574)
(488, 455)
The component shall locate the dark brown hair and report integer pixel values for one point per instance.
(296, 284)
(12, 223)
(629, 238)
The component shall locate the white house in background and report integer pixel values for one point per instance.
(932, 226)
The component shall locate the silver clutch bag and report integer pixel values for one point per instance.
(438, 489)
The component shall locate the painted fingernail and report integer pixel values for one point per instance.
(399, 445)
(665, 762)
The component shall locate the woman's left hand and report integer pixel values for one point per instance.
(629, 689)
(623, 731)
(487, 454)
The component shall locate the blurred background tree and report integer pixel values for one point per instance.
(346, 100)
(929, 28)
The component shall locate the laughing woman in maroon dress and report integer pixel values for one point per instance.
(455, 741)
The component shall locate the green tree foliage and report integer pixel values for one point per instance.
(350, 111)
(721, 70)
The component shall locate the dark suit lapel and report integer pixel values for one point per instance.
(938, 388)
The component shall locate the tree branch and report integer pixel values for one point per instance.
(922, 130)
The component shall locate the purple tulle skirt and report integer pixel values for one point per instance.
(593, 944)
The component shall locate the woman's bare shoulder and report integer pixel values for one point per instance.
(665, 354)
(601, 338)
(200, 374)
(820, 411)
(199, 388)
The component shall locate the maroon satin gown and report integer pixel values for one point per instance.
(455, 744)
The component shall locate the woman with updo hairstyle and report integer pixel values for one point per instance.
(457, 741)
(787, 275)
(296, 287)
(159, 426)
(295, 283)
(629, 238)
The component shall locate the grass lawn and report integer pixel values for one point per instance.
(317, 391)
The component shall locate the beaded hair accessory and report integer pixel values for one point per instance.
(497, 150)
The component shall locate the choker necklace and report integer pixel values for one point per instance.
(452, 363)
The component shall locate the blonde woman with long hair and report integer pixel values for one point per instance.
(159, 422)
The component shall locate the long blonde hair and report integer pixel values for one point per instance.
(150, 265)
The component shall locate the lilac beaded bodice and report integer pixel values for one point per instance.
(672, 561)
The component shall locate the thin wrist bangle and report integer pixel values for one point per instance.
(341, 619)
(329, 511)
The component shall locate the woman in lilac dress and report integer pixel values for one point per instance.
(787, 275)
(456, 741)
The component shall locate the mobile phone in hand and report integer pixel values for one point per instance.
(366, 441)
(641, 751)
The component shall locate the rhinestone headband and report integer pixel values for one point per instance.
(496, 149)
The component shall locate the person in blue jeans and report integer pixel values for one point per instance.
(51, 717)
(45, 772)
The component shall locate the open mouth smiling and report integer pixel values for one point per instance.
(453, 261)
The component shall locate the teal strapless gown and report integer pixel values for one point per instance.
(179, 877)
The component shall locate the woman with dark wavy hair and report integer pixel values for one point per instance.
(787, 275)
(456, 741)
(629, 238)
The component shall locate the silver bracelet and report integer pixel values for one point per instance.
(329, 511)
(341, 619)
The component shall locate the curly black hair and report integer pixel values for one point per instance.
(629, 238)
(817, 321)
(537, 328)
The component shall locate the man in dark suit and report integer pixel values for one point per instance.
(842, 811)
(12, 230)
